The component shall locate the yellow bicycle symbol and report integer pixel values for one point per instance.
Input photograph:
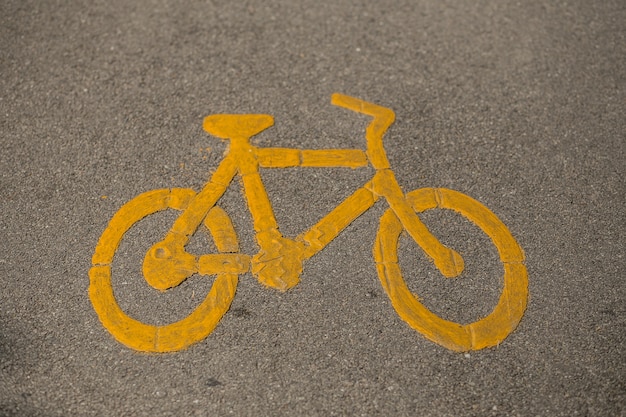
(278, 264)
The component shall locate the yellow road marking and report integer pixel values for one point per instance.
(487, 332)
(279, 262)
(319, 158)
(203, 319)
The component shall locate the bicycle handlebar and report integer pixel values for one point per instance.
(383, 118)
(383, 115)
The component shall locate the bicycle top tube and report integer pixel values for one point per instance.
(241, 127)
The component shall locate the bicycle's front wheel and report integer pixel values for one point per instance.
(486, 332)
(193, 328)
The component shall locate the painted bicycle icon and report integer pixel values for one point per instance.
(279, 261)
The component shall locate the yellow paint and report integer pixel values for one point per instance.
(279, 261)
(448, 261)
(382, 119)
(202, 320)
(487, 332)
(289, 158)
(332, 224)
(352, 158)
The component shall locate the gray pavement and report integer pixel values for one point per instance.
(520, 105)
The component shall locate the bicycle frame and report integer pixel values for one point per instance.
(279, 261)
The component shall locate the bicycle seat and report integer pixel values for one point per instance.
(228, 126)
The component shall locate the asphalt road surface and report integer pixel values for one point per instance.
(521, 105)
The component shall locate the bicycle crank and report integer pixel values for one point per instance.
(167, 264)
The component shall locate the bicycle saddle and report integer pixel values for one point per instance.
(228, 126)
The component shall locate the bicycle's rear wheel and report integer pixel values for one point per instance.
(486, 332)
(175, 336)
